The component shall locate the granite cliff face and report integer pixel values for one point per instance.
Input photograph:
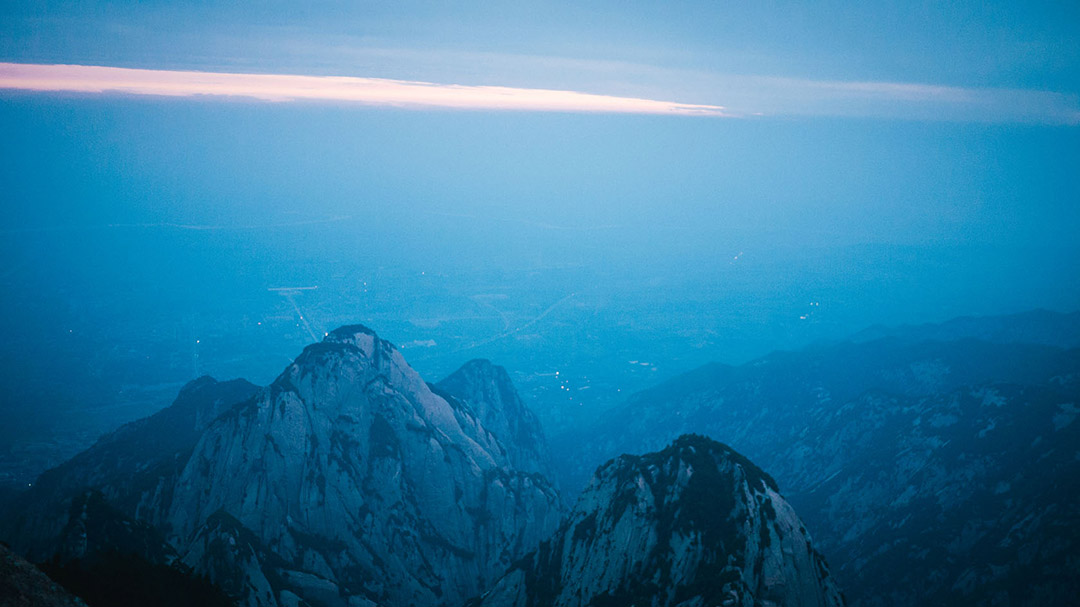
(695, 524)
(490, 395)
(929, 472)
(349, 468)
(348, 481)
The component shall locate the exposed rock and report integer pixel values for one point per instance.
(348, 481)
(230, 556)
(929, 473)
(487, 390)
(350, 469)
(693, 525)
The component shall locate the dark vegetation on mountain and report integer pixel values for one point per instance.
(24, 585)
(925, 470)
(694, 524)
(117, 579)
(134, 468)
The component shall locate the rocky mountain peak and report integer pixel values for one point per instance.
(694, 524)
(359, 478)
(347, 481)
(489, 394)
(482, 383)
(358, 336)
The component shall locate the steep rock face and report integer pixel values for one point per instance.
(231, 557)
(929, 473)
(695, 524)
(961, 498)
(490, 395)
(134, 468)
(350, 469)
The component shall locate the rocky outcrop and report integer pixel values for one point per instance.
(230, 556)
(695, 524)
(491, 397)
(929, 472)
(351, 470)
(348, 481)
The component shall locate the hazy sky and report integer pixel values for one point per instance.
(551, 185)
(985, 61)
(790, 126)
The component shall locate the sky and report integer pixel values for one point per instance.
(896, 122)
(614, 126)
(551, 185)
(985, 61)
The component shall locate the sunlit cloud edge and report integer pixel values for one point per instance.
(279, 88)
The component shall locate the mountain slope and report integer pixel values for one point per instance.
(135, 467)
(348, 481)
(1042, 327)
(350, 469)
(490, 395)
(929, 471)
(24, 585)
(695, 524)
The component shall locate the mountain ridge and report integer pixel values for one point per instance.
(347, 476)
(866, 439)
(694, 524)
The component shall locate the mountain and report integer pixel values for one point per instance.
(106, 558)
(24, 585)
(347, 481)
(933, 472)
(488, 392)
(118, 579)
(135, 468)
(352, 470)
(1042, 327)
(695, 524)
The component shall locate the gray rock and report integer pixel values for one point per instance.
(695, 524)
(490, 395)
(930, 473)
(347, 481)
(349, 468)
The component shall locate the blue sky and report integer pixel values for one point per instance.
(888, 162)
(908, 124)
(983, 61)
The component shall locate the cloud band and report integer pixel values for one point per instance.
(364, 91)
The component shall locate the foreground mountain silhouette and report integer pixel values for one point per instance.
(693, 525)
(24, 585)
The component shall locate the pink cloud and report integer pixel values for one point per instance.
(291, 88)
